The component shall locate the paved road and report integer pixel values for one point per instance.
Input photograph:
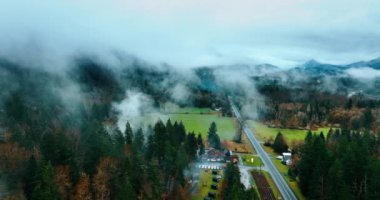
(280, 182)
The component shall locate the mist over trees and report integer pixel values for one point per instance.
(65, 143)
(61, 138)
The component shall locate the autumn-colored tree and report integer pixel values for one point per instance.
(101, 180)
(63, 181)
(179, 193)
(82, 188)
(12, 155)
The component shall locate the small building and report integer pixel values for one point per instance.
(214, 155)
(286, 158)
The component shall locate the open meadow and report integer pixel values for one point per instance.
(196, 120)
(263, 132)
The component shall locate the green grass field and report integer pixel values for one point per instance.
(247, 160)
(199, 123)
(264, 132)
(192, 110)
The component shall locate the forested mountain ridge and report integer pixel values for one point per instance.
(61, 126)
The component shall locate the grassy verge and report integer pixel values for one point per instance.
(292, 183)
(252, 160)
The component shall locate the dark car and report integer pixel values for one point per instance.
(215, 179)
(212, 195)
(214, 186)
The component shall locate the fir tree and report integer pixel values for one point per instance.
(279, 144)
(128, 134)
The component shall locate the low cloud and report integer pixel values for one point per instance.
(180, 93)
(132, 108)
(191, 33)
(365, 73)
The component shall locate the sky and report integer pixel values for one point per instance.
(190, 33)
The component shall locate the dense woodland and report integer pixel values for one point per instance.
(308, 107)
(342, 165)
(59, 138)
(104, 165)
(63, 143)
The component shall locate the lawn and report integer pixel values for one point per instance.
(204, 185)
(192, 110)
(264, 132)
(247, 160)
(197, 123)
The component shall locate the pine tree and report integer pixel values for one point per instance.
(306, 164)
(123, 186)
(336, 188)
(367, 119)
(212, 130)
(128, 134)
(191, 145)
(119, 142)
(279, 144)
(150, 148)
(373, 180)
(201, 146)
(45, 188)
(213, 137)
(138, 141)
(30, 177)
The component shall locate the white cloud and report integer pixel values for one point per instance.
(192, 32)
(363, 73)
(135, 105)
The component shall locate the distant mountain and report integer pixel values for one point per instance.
(315, 68)
(374, 64)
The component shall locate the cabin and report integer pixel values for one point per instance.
(287, 158)
(214, 155)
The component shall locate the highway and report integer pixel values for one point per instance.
(280, 182)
